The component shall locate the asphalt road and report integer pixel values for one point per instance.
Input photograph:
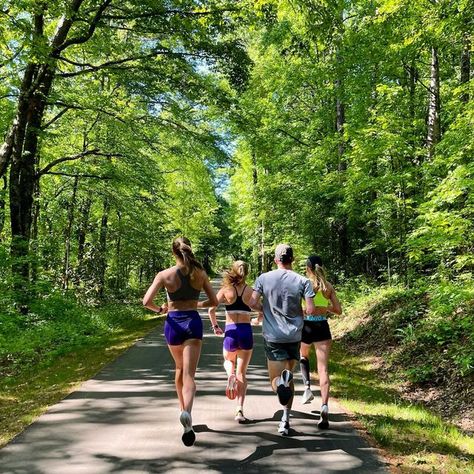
(125, 420)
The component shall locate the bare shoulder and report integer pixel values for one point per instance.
(168, 274)
(228, 293)
(199, 277)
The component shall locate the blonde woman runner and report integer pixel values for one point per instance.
(183, 326)
(238, 337)
(316, 332)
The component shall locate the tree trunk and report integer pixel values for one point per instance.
(341, 223)
(68, 231)
(34, 231)
(434, 131)
(259, 230)
(465, 65)
(103, 248)
(82, 233)
(3, 194)
(118, 251)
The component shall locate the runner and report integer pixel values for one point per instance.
(183, 325)
(316, 331)
(238, 337)
(282, 292)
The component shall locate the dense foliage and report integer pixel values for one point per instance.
(108, 115)
(354, 137)
(343, 127)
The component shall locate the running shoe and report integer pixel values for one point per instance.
(284, 428)
(239, 416)
(307, 396)
(231, 388)
(324, 423)
(188, 437)
(284, 390)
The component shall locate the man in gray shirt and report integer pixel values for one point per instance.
(282, 291)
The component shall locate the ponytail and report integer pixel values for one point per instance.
(316, 273)
(183, 251)
(236, 274)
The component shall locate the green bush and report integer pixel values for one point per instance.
(56, 325)
(426, 331)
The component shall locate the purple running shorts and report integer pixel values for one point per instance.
(181, 326)
(238, 336)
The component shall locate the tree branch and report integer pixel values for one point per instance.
(93, 68)
(94, 109)
(117, 62)
(78, 156)
(166, 13)
(293, 137)
(88, 35)
(55, 118)
(57, 173)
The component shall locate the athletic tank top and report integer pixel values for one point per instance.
(185, 291)
(320, 300)
(238, 304)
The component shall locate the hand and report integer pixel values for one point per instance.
(217, 330)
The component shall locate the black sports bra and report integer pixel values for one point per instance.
(185, 291)
(238, 304)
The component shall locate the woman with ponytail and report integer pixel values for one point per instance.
(316, 331)
(238, 337)
(183, 326)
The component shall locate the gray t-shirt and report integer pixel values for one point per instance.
(282, 292)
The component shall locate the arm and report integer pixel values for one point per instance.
(258, 320)
(308, 297)
(157, 284)
(212, 313)
(211, 296)
(309, 305)
(254, 302)
(335, 306)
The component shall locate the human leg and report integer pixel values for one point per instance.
(190, 352)
(177, 354)
(323, 349)
(305, 373)
(230, 360)
(281, 376)
(243, 359)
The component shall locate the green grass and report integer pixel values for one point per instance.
(43, 366)
(414, 439)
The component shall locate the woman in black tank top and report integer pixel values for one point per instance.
(238, 338)
(183, 326)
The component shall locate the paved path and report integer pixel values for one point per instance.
(125, 420)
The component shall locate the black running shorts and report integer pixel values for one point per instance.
(282, 350)
(315, 331)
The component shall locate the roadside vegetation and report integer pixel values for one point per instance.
(403, 366)
(68, 343)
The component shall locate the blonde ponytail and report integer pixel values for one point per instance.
(316, 274)
(236, 274)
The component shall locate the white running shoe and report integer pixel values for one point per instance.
(307, 396)
(189, 436)
(284, 428)
(284, 391)
(231, 387)
(239, 416)
(324, 421)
